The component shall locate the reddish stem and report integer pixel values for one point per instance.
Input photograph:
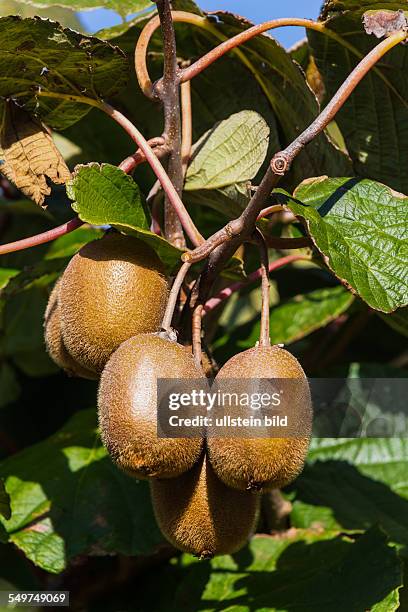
(131, 162)
(254, 276)
(32, 241)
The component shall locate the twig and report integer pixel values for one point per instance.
(209, 58)
(264, 336)
(282, 161)
(48, 236)
(224, 294)
(226, 45)
(169, 94)
(174, 293)
(270, 210)
(160, 150)
(187, 125)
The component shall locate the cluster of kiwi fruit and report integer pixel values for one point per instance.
(104, 320)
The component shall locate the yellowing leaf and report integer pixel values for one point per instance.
(28, 155)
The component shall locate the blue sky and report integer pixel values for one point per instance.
(256, 10)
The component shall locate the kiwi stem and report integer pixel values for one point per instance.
(254, 276)
(165, 181)
(169, 94)
(196, 333)
(264, 335)
(174, 293)
(48, 236)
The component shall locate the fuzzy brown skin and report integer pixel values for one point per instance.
(198, 514)
(54, 342)
(263, 463)
(113, 289)
(127, 405)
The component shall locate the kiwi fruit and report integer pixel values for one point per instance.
(270, 462)
(54, 342)
(112, 289)
(198, 514)
(127, 402)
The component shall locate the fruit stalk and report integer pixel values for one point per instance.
(264, 337)
(172, 301)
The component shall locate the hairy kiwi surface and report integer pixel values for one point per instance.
(264, 463)
(112, 289)
(54, 342)
(127, 402)
(198, 514)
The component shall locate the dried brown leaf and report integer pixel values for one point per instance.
(383, 23)
(28, 154)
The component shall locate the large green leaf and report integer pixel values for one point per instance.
(51, 59)
(360, 227)
(302, 572)
(354, 483)
(123, 7)
(5, 509)
(105, 195)
(231, 153)
(68, 498)
(374, 121)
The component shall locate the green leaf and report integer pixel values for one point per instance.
(123, 7)
(360, 228)
(374, 119)
(5, 275)
(304, 571)
(51, 59)
(372, 472)
(5, 509)
(230, 201)
(53, 487)
(398, 320)
(233, 152)
(105, 195)
(9, 385)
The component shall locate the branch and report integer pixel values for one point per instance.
(169, 94)
(254, 276)
(48, 236)
(187, 125)
(282, 161)
(241, 228)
